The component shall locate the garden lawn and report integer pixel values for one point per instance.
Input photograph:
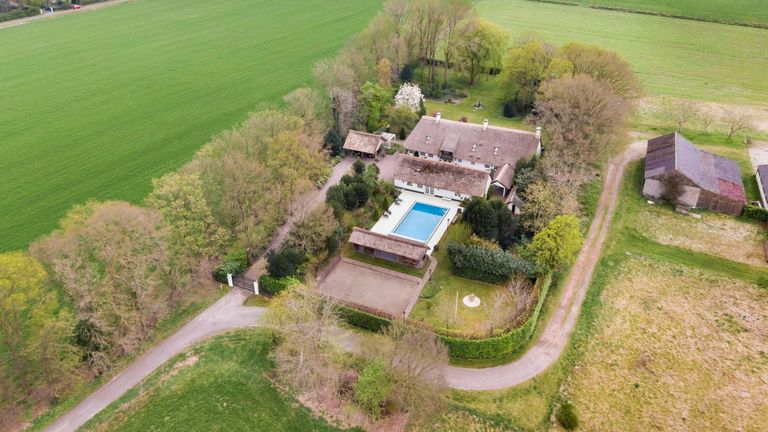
(218, 386)
(741, 11)
(684, 58)
(437, 302)
(97, 104)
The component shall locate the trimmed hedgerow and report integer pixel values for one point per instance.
(362, 319)
(493, 266)
(235, 263)
(755, 212)
(275, 286)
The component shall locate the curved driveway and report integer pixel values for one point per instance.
(554, 339)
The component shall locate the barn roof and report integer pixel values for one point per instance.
(708, 171)
(363, 142)
(395, 245)
(471, 142)
(442, 175)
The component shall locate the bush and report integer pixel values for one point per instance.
(275, 286)
(18, 13)
(487, 265)
(284, 263)
(567, 417)
(362, 319)
(509, 110)
(373, 386)
(406, 74)
(755, 213)
(234, 264)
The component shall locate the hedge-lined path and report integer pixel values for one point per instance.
(554, 339)
(227, 313)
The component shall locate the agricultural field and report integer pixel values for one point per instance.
(748, 12)
(96, 104)
(674, 348)
(681, 58)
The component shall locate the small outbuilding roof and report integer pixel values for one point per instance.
(395, 245)
(472, 142)
(362, 142)
(762, 177)
(442, 175)
(708, 171)
(504, 175)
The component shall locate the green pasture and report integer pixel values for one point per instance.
(748, 12)
(95, 104)
(676, 57)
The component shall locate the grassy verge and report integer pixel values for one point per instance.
(168, 325)
(220, 385)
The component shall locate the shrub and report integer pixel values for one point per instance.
(509, 109)
(488, 265)
(755, 213)
(362, 319)
(234, 264)
(284, 263)
(358, 167)
(567, 417)
(406, 74)
(275, 286)
(373, 386)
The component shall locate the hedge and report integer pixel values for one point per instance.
(463, 347)
(275, 286)
(493, 266)
(234, 264)
(755, 212)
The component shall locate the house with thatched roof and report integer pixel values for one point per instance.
(492, 149)
(676, 169)
(388, 247)
(440, 179)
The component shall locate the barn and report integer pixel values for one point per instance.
(701, 179)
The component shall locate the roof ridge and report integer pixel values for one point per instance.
(490, 126)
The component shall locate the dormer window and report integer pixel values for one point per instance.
(474, 147)
(495, 151)
(428, 138)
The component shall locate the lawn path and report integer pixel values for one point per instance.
(554, 339)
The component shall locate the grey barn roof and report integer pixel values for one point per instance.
(762, 175)
(395, 245)
(468, 141)
(442, 175)
(710, 172)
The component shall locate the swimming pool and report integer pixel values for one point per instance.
(420, 222)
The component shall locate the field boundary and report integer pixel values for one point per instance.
(86, 8)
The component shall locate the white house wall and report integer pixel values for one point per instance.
(440, 193)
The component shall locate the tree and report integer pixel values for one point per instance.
(456, 14)
(604, 66)
(480, 46)
(398, 11)
(523, 72)
(680, 112)
(284, 262)
(542, 204)
(372, 105)
(384, 73)
(180, 199)
(427, 23)
(480, 215)
(34, 330)
(409, 96)
(557, 244)
(111, 258)
(341, 85)
(737, 120)
(373, 386)
(309, 105)
(310, 233)
(305, 324)
(582, 118)
(501, 310)
(417, 361)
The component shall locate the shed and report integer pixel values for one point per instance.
(387, 247)
(363, 143)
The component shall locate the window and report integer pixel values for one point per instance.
(474, 147)
(487, 166)
(457, 194)
(431, 155)
(409, 184)
(459, 160)
(472, 163)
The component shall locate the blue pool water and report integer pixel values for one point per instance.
(420, 222)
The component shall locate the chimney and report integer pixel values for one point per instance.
(485, 124)
(438, 116)
(538, 132)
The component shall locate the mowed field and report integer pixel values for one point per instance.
(676, 57)
(735, 11)
(96, 104)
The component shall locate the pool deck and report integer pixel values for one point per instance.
(385, 225)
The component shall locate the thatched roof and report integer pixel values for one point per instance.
(504, 175)
(363, 142)
(442, 175)
(710, 172)
(468, 141)
(395, 245)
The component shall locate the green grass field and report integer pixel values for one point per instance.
(218, 386)
(675, 57)
(96, 104)
(738, 11)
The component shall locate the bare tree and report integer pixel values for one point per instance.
(737, 120)
(521, 288)
(707, 118)
(457, 13)
(427, 21)
(398, 11)
(501, 310)
(681, 112)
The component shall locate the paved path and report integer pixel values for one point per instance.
(227, 313)
(551, 345)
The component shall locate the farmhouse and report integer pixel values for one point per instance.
(366, 144)
(388, 247)
(491, 149)
(762, 183)
(440, 179)
(705, 180)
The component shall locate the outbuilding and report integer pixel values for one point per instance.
(388, 247)
(363, 143)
